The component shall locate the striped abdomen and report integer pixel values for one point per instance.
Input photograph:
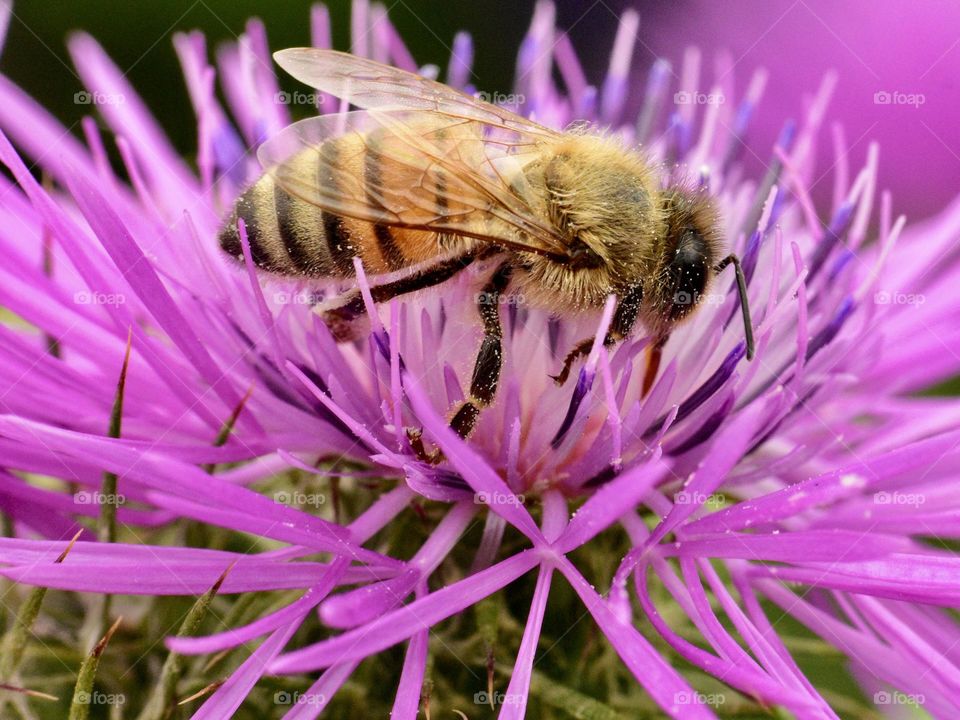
(290, 236)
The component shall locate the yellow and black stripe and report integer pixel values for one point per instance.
(291, 236)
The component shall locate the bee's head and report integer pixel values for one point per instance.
(688, 253)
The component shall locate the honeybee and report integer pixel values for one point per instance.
(429, 179)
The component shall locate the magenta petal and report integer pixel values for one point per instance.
(744, 677)
(798, 546)
(515, 701)
(665, 685)
(143, 279)
(228, 696)
(489, 488)
(403, 622)
(929, 578)
(236, 636)
(726, 449)
(314, 701)
(366, 603)
(409, 690)
(612, 500)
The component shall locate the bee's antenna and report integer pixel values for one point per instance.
(744, 302)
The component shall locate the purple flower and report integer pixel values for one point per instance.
(812, 482)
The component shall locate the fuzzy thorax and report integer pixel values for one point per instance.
(602, 200)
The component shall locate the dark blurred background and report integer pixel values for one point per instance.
(878, 46)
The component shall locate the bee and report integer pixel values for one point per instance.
(428, 180)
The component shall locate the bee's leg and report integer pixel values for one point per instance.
(579, 350)
(345, 309)
(744, 302)
(624, 318)
(486, 368)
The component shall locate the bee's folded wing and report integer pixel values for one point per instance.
(368, 84)
(419, 170)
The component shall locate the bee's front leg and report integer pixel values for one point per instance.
(624, 318)
(486, 368)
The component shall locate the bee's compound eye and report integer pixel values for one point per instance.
(688, 274)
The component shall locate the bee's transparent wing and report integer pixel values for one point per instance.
(418, 170)
(369, 84)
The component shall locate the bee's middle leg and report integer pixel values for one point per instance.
(486, 368)
(343, 312)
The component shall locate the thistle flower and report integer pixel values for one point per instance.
(703, 529)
